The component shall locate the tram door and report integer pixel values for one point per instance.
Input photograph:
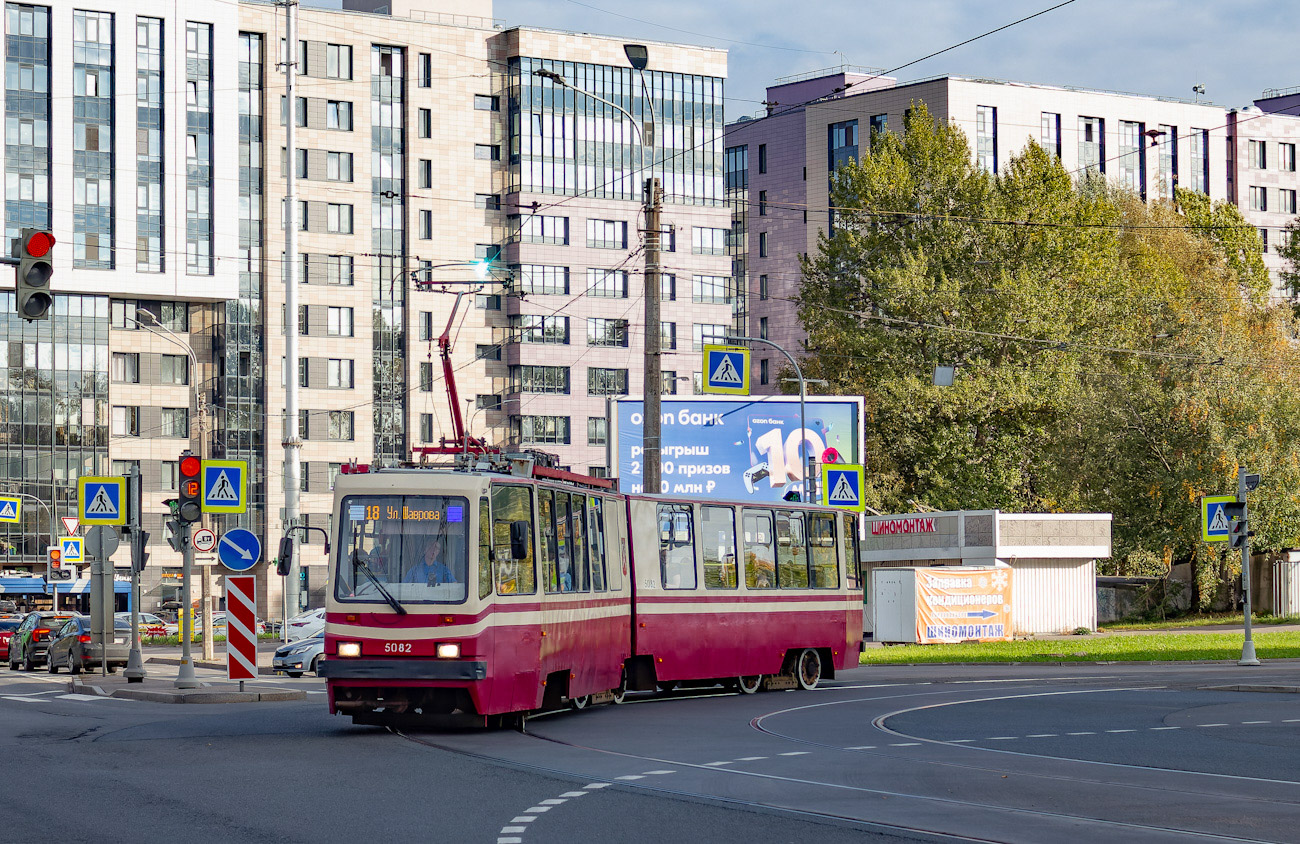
(516, 647)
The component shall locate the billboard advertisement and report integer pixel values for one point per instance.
(957, 604)
(736, 448)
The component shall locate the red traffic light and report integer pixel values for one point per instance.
(39, 244)
(190, 467)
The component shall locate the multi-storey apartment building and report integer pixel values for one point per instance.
(1262, 177)
(425, 142)
(816, 123)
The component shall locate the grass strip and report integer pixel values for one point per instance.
(1167, 647)
(1201, 620)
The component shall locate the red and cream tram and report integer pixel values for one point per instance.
(485, 593)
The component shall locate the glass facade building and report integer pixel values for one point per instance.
(198, 148)
(387, 104)
(27, 118)
(149, 145)
(92, 128)
(565, 142)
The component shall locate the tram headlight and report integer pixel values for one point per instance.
(448, 650)
(349, 649)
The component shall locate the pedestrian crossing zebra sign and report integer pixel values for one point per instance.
(726, 370)
(102, 500)
(842, 486)
(225, 486)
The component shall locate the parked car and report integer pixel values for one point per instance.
(150, 624)
(7, 627)
(300, 656)
(219, 624)
(73, 647)
(308, 625)
(30, 643)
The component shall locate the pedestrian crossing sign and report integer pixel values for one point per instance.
(72, 549)
(1214, 522)
(842, 486)
(726, 370)
(11, 509)
(225, 486)
(102, 501)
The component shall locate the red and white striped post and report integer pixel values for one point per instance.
(241, 628)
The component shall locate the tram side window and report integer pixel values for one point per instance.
(563, 542)
(581, 565)
(596, 541)
(718, 536)
(512, 504)
(760, 550)
(484, 548)
(676, 546)
(823, 565)
(550, 543)
(616, 546)
(791, 551)
(852, 564)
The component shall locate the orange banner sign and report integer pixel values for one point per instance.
(956, 605)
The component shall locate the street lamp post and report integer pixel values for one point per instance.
(808, 482)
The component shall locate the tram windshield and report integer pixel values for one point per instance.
(402, 549)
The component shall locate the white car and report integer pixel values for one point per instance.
(307, 625)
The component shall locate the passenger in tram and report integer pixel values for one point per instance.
(431, 571)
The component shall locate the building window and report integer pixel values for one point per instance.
(198, 164)
(842, 146)
(1168, 154)
(174, 369)
(1133, 157)
(426, 123)
(542, 279)
(762, 203)
(709, 333)
(533, 378)
(339, 373)
(484, 102)
(736, 160)
(763, 373)
(1286, 201)
(668, 288)
(762, 244)
(338, 61)
(426, 224)
(1258, 199)
(762, 328)
(1199, 172)
(762, 158)
(607, 284)
(487, 351)
(1092, 144)
(606, 332)
(126, 368)
(487, 201)
(535, 328)
(541, 430)
(340, 425)
(426, 376)
(668, 382)
(338, 270)
(170, 475)
(175, 422)
(338, 166)
(762, 288)
(426, 173)
(338, 218)
(339, 322)
(711, 289)
(1286, 157)
(607, 234)
(424, 72)
(606, 382)
(487, 152)
(149, 145)
(537, 228)
(667, 336)
(338, 115)
(1258, 154)
(1263, 240)
(1050, 133)
(123, 468)
(125, 421)
(426, 427)
(491, 401)
(986, 138)
(877, 126)
(708, 241)
(597, 430)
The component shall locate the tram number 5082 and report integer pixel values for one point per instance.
(397, 647)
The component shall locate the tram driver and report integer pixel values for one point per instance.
(431, 570)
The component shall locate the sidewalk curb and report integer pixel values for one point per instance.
(198, 663)
(188, 695)
(1294, 690)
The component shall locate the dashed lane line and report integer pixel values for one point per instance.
(1083, 733)
(513, 832)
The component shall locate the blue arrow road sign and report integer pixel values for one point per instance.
(239, 550)
(981, 614)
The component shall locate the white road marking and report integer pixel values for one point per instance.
(1257, 722)
(554, 801)
(906, 744)
(510, 839)
(715, 764)
(1121, 731)
(752, 758)
(596, 785)
(1082, 733)
(630, 777)
(575, 794)
(1002, 738)
(1290, 720)
(648, 774)
(1166, 728)
(88, 697)
(961, 741)
(537, 810)
(862, 747)
(1042, 735)
(523, 819)
(20, 699)
(797, 753)
(1211, 725)
(506, 829)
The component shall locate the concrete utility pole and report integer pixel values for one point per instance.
(292, 436)
(652, 383)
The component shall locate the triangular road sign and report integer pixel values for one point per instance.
(726, 373)
(844, 490)
(1220, 521)
(70, 523)
(222, 489)
(101, 504)
(8, 511)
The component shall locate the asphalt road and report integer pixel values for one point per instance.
(992, 753)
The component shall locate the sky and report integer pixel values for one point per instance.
(1161, 48)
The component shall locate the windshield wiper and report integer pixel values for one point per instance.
(358, 563)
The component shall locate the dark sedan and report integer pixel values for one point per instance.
(74, 647)
(31, 641)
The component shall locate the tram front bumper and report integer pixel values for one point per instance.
(402, 669)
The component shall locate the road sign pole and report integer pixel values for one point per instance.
(185, 678)
(134, 672)
(1248, 645)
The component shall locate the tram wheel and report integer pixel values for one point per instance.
(808, 669)
(578, 703)
(749, 685)
(620, 694)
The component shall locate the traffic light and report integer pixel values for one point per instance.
(284, 560)
(34, 272)
(190, 502)
(1235, 513)
(53, 557)
(139, 552)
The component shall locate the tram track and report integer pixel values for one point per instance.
(1138, 830)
